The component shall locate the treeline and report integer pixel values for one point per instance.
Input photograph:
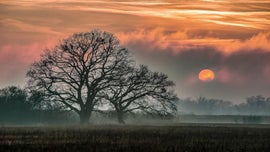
(19, 106)
(254, 105)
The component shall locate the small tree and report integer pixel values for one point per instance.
(142, 90)
(77, 70)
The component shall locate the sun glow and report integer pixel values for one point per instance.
(206, 75)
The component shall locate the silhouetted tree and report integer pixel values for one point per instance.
(40, 101)
(77, 70)
(13, 104)
(139, 89)
(37, 99)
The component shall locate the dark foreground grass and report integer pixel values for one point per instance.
(182, 138)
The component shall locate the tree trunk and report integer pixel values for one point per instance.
(84, 117)
(120, 117)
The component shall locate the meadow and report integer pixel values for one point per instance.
(138, 138)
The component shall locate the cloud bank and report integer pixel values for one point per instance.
(176, 37)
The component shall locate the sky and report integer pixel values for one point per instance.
(177, 37)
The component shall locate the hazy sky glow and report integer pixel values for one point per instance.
(177, 37)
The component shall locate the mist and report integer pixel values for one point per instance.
(19, 107)
(254, 105)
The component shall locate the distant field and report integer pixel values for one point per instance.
(138, 138)
(235, 119)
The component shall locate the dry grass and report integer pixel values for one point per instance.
(183, 138)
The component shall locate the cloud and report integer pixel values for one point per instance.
(177, 41)
(242, 68)
(259, 41)
(157, 38)
(178, 37)
(248, 14)
(25, 27)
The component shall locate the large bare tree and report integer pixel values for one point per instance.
(139, 89)
(76, 72)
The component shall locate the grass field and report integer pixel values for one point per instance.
(138, 138)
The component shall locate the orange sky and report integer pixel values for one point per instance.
(169, 27)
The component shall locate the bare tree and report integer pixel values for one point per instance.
(77, 70)
(139, 89)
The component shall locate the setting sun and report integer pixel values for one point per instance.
(206, 75)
